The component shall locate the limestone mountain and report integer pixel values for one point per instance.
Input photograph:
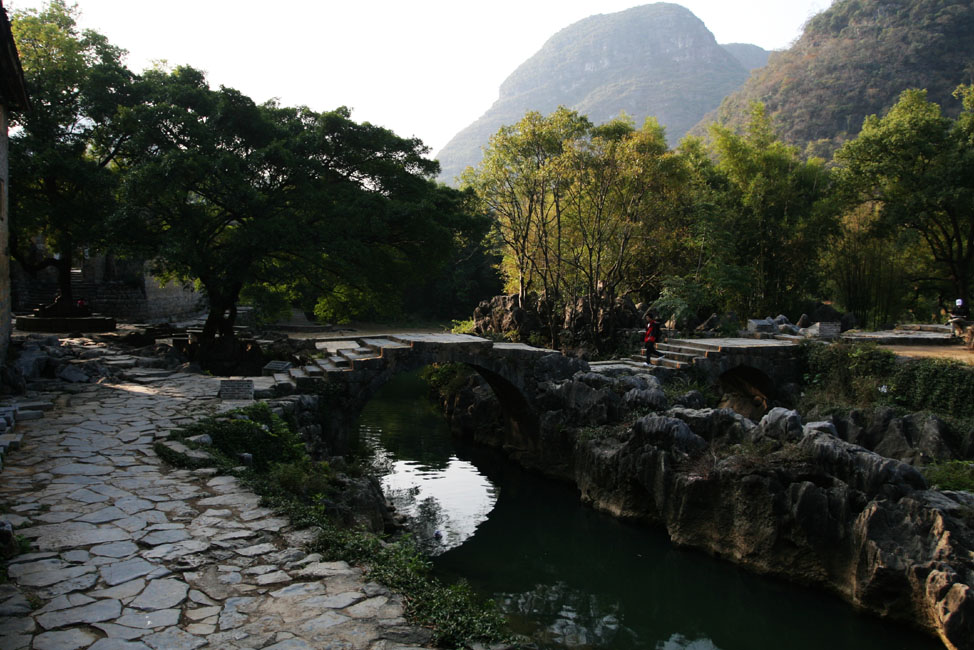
(853, 60)
(654, 60)
(750, 56)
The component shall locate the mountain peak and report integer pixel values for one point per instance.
(653, 60)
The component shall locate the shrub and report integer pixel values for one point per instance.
(304, 477)
(935, 385)
(462, 327)
(254, 430)
(842, 373)
(951, 475)
(445, 379)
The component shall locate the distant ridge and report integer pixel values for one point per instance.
(853, 60)
(654, 60)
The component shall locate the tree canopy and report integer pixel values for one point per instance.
(240, 195)
(62, 153)
(917, 167)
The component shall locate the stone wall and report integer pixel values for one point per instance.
(5, 298)
(156, 302)
(140, 298)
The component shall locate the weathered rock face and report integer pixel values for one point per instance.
(780, 497)
(917, 439)
(506, 315)
(589, 321)
(817, 510)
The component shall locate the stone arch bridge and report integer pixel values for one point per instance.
(353, 369)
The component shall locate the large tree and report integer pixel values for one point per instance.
(237, 195)
(917, 167)
(775, 214)
(62, 151)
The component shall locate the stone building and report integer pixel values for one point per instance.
(13, 96)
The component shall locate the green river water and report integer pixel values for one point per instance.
(569, 577)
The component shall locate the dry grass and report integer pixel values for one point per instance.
(955, 352)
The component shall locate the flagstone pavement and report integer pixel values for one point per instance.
(128, 553)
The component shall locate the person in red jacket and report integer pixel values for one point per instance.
(653, 334)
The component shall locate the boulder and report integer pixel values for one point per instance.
(714, 424)
(917, 439)
(693, 399)
(763, 325)
(779, 424)
(653, 399)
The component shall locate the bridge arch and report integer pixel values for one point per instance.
(747, 390)
(509, 369)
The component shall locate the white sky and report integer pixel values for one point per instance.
(424, 68)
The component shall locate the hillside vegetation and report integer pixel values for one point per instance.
(854, 60)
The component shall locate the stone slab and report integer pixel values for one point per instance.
(237, 389)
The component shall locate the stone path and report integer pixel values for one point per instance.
(130, 554)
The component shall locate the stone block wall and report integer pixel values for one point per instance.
(5, 297)
(156, 302)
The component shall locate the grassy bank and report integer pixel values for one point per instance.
(289, 481)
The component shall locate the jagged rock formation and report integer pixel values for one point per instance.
(600, 321)
(853, 60)
(780, 497)
(655, 60)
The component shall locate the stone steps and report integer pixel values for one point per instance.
(10, 414)
(367, 352)
(663, 361)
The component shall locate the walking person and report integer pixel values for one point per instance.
(652, 336)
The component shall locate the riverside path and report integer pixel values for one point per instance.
(129, 554)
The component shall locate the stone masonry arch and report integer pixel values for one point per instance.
(348, 381)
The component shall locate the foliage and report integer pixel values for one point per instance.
(279, 200)
(917, 167)
(937, 385)
(295, 485)
(254, 430)
(683, 299)
(462, 326)
(872, 276)
(456, 616)
(951, 475)
(761, 247)
(842, 374)
(62, 150)
(445, 379)
(583, 213)
(853, 60)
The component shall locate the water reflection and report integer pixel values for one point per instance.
(569, 577)
(561, 616)
(445, 498)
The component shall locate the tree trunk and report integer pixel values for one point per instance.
(223, 310)
(63, 266)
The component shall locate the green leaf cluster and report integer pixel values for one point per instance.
(863, 374)
(951, 475)
(283, 206)
(853, 60)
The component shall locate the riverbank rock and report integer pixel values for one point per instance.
(781, 497)
(917, 439)
(817, 511)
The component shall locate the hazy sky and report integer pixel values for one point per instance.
(424, 68)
